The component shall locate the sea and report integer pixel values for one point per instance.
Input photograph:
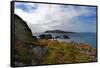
(87, 38)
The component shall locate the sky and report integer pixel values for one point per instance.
(43, 17)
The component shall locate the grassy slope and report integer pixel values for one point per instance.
(60, 52)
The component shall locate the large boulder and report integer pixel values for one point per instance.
(22, 31)
(26, 50)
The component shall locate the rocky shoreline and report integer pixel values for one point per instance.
(30, 50)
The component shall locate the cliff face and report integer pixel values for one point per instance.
(22, 31)
(26, 51)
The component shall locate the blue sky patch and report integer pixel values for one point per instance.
(26, 7)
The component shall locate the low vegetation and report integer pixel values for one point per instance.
(30, 50)
(61, 52)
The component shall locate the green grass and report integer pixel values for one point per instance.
(63, 53)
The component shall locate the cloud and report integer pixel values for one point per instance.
(63, 17)
(30, 7)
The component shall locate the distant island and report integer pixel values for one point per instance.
(58, 31)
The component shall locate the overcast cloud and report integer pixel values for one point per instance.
(42, 17)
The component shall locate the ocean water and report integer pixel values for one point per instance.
(87, 38)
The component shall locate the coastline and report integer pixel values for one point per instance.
(73, 42)
(87, 38)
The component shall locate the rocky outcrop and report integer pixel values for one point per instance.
(26, 51)
(22, 31)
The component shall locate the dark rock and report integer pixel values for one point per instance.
(45, 36)
(65, 37)
(26, 51)
(40, 51)
(22, 31)
(57, 37)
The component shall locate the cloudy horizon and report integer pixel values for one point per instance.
(42, 17)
